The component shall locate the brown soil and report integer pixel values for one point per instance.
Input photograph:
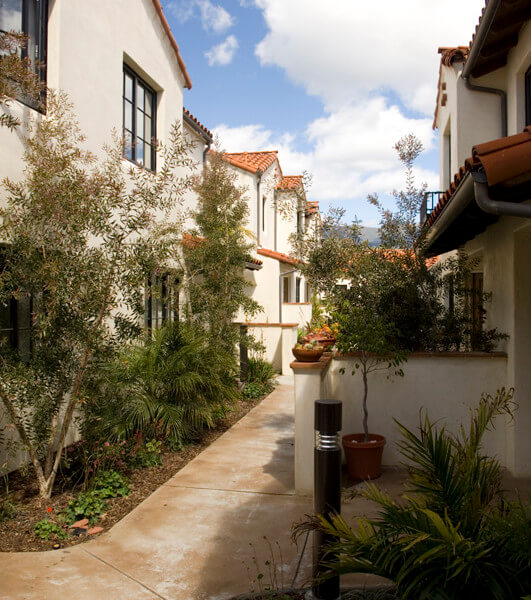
(17, 535)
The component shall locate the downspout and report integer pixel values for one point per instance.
(275, 225)
(259, 174)
(496, 207)
(486, 22)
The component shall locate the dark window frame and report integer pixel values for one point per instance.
(169, 300)
(41, 45)
(151, 143)
(527, 81)
(298, 282)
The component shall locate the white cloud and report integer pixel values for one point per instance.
(213, 17)
(345, 50)
(351, 150)
(222, 54)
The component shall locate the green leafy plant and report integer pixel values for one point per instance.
(88, 505)
(172, 386)
(45, 529)
(150, 454)
(261, 378)
(254, 390)
(80, 256)
(452, 535)
(7, 509)
(111, 484)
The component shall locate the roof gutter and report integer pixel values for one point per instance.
(461, 197)
(496, 207)
(475, 51)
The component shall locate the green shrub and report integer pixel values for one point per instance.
(110, 484)
(149, 455)
(7, 509)
(452, 535)
(255, 390)
(262, 371)
(171, 387)
(88, 505)
(45, 529)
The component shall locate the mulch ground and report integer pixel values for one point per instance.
(16, 533)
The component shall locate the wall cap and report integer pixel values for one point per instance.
(340, 356)
(323, 363)
(284, 325)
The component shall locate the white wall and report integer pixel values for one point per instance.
(447, 386)
(278, 341)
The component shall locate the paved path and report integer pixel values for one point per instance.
(199, 536)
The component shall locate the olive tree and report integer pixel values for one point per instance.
(81, 237)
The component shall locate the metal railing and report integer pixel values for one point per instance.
(429, 202)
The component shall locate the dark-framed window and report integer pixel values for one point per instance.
(528, 97)
(31, 18)
(162, 300)
(285, 289)
(139, 120)
(477, 309)
(298, 289)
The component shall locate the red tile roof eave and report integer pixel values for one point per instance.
(260, 166)
(165, 25)
(280, 256)
(198, 123)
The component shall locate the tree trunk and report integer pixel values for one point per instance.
(365, 411)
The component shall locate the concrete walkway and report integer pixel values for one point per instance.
(199, 536)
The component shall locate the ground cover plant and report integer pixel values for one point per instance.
(453, 534)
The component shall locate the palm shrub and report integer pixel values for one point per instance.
(453, 534)
(172, 386)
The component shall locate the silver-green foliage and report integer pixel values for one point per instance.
(452, 535)
(81, 237)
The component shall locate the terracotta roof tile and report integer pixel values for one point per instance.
(312, 207)
(449, 55)
(166, 27)
(191, 117)
(252, 161)
(505, 160)
(289, 182)
(280, 256)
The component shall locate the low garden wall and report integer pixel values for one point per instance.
(278, 339)
(447, 385)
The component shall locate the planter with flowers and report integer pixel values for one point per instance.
(308, 351)
(325, 335)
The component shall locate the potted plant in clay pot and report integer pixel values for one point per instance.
(308, 351)
(367, 334)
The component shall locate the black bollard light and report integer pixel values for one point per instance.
(327, 487)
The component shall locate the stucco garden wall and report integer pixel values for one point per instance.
(297, 312)
(446, 385)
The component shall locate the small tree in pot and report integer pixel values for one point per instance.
(365, 328)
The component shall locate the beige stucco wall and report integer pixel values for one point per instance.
(474, 117)
(446, 386)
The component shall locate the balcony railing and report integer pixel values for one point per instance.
(429, 202)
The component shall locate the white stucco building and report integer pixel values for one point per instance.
(483, 115)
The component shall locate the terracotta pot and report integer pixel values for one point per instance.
(307, 355)
(364, 459)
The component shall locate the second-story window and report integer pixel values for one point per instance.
(29, 17)
(264, 208)
(139, 115)
(528, 97)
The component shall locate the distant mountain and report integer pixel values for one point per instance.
(370, 234)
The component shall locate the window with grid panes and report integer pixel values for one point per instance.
(139, 119)
(29, 17)
(162, 301)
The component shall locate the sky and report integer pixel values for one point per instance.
(331, 84)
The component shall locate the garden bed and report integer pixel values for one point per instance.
(17, 534)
